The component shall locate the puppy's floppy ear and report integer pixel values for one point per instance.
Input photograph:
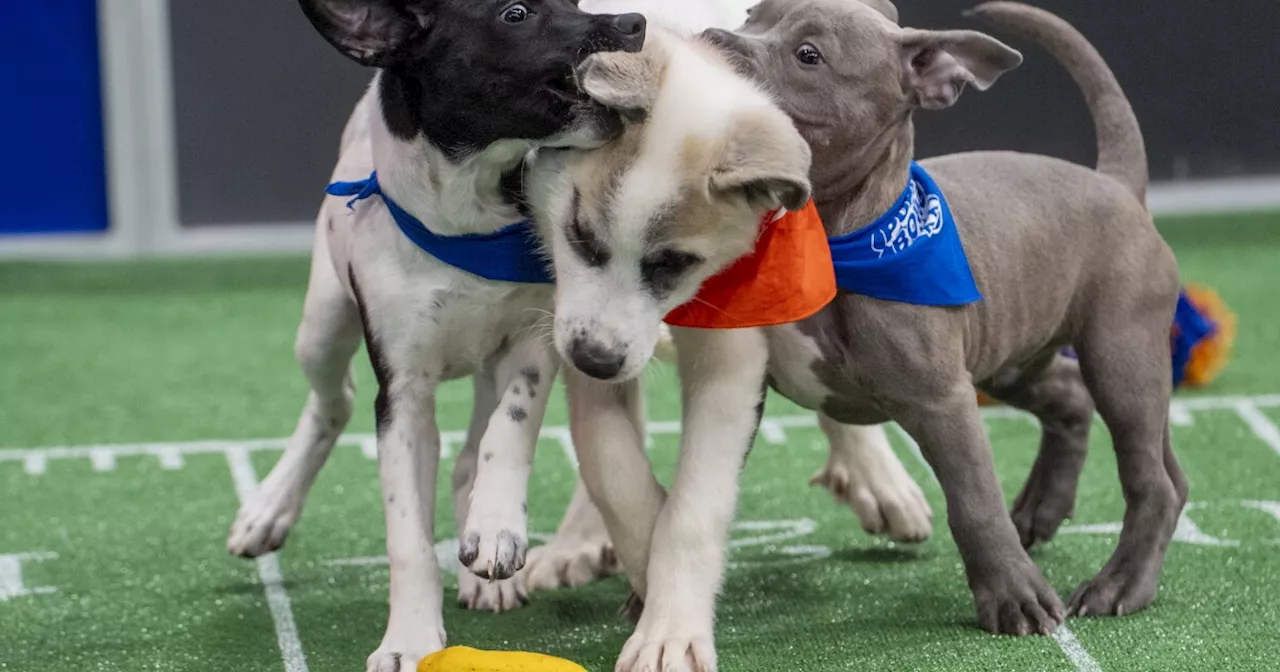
(765, 161)
(938, 64)
(369, 32)
(626, 82)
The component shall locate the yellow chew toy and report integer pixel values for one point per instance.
(467, 659)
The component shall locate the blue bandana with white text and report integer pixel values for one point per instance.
(510, 254)
(911, 254)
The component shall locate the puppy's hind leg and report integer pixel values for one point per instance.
(1125, 361)
(328, 337)
(580, 553)
(863, 472)
(1056, 394)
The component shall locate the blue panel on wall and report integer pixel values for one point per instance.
(52, 160)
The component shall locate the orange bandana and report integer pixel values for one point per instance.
(788, 277)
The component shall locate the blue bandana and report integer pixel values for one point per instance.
(911, 254)
(510, 254)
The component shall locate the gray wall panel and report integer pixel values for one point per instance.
(260, 102)
(261, 98)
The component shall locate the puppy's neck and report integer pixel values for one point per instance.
(854, 188)
(450, 197)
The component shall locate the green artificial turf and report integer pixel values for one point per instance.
(134, 575)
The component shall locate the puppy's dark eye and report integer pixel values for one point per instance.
(808, 54)
(662, 271)
(515, 13)
(583, 241)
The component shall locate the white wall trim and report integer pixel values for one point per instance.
(1240, 194)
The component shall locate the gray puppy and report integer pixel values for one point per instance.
(1061, 254)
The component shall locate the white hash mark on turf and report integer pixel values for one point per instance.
(772, 432)
(1180, 416)
(1258, 421)
(103, 460)
(11, 584)
(35, 464)
(1075, 650)
(287, 638)
(564, 439)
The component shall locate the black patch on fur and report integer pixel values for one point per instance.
(515, 389)
(488, 456)
(531, 375)
(524, 507)
(517, 413)
(381, 371)
(583, 241)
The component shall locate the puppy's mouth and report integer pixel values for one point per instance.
(566, 88)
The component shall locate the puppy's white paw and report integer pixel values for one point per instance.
(667, 647)
(882, 493)
(479, 594)
(569, 563)
(264, 520)
(493, 544)
(401, 654)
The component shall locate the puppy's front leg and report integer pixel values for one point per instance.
(607, 422)
(495, 539)
(1011, 594)
(722, 376)
(408, 457)
(473, 591)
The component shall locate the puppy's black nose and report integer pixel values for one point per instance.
(629, 31)
(595, 360)
(629, 24)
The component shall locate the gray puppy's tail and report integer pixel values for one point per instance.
(1121, 152)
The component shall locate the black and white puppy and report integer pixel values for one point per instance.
(465, 90)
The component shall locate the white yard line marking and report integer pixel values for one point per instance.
(170, 458)
(1246, 406)
(1071, 646)
(369, 447)
(11, 583)
(772, 432)
(562, 437)
(1258, 421)
(103, 460)
(35, 464)
(269, 573)
(1181, 416)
